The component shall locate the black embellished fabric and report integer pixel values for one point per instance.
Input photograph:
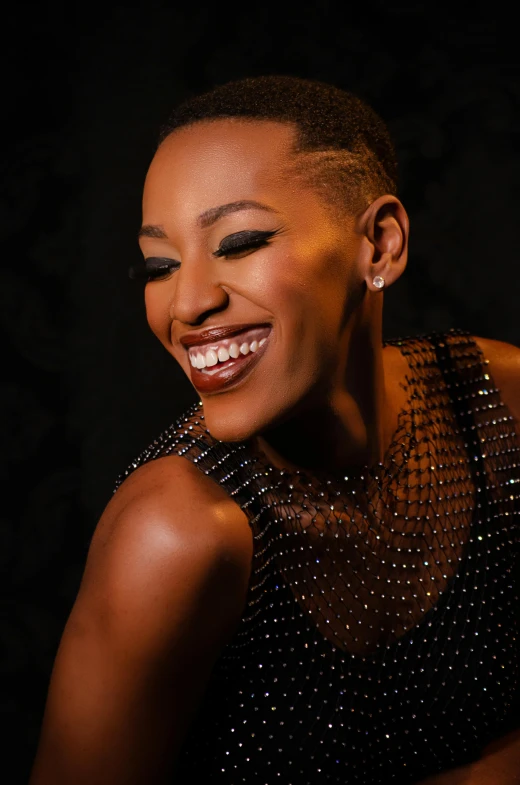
(379, 642)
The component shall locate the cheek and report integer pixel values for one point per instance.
(157, 311)
(312, 291)
(307, 307)
(316, 304)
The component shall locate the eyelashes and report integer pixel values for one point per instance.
(234, 246)
(241, 242)
(152, 268)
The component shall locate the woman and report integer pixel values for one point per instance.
(309, 578)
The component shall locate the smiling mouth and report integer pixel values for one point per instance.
(223, 363)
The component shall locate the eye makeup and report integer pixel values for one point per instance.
(156, 268)
(241, 242)
(153, 268)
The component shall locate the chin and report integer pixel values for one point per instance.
(232, 426)
(253, 409)
(238, 418)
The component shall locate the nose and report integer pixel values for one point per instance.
(197, 294)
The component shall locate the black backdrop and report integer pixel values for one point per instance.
(85, 387)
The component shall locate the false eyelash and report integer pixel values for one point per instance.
(236, 243)
(244, 241)
(143, 270)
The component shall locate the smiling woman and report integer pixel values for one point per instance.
(309, 578)
(265, 252)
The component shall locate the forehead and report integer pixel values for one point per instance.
(210, 163)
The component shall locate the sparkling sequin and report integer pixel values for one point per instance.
(379, 642)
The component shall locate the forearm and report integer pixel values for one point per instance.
(498, 765)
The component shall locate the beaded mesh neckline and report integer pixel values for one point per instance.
(381, 610)
(375, 550)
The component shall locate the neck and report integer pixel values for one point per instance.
(353, 424)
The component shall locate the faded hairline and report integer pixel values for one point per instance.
(347, 180)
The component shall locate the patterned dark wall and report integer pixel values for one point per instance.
(85, 386)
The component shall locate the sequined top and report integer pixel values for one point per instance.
(379, 639)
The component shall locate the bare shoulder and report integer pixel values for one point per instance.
(172, 500)
(504, 367)
(168, 567)
(170, 532)
(163, 590)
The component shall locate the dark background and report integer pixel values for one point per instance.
(85, 386)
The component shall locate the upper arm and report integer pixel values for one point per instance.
(164, 587)
(504, 367)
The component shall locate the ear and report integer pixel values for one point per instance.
(385, 227)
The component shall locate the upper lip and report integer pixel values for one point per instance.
(216, 334)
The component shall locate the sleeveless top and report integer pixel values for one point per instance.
(378, 643)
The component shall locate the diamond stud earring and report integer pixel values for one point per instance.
(378, 282)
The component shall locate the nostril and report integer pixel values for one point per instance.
(195, 308)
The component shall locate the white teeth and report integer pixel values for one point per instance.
(211, 358)
(222, 354)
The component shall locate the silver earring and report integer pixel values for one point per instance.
(378, 282)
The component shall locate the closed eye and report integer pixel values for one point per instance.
(242, 243)
(153, 268)
(158, 268)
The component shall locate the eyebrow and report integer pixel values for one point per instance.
(209, 217)
(148, 230)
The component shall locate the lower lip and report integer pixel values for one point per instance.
(228, 375)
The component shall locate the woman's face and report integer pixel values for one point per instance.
(252, 273)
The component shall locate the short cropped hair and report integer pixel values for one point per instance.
(342, 146)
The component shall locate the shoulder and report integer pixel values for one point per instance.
(172, 495)
(163, 591)
(504, 367)
(170, 500)
(171, 548)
